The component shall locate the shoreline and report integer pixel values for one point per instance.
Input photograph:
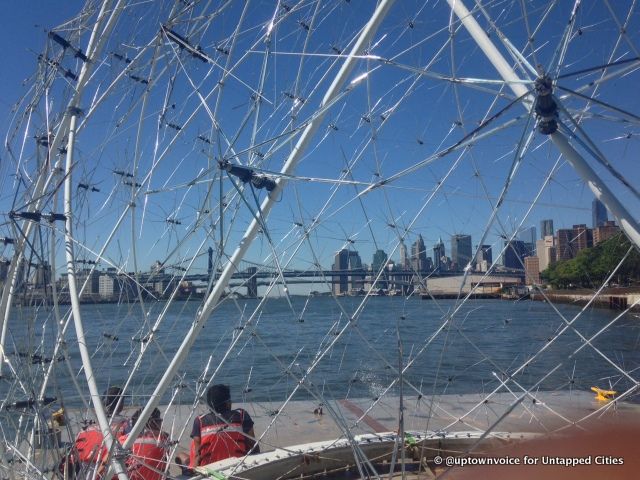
(610, 299)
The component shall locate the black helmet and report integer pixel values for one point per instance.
(111, 398)
(154, 418)
(218, 396)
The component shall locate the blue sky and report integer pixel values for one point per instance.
(23, 36)
(391, 121)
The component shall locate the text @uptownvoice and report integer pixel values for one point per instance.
(451, 461)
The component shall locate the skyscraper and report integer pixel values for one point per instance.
(582, 238)
(438, 253)
(461, 253)
(341, 262)
(485, 258)
(598, 213)
(42, 275)
(564, 249)
(605, 232)
(348, 260)
(379, 261)
(419, 260)
(404, 260)
(515, 251)
(546, 252)
(532, 270)
(546, 228)
(528, 236)
(356, 279)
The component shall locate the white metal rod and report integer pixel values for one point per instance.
(627, 222)
(96, 42)
(98, 407)
(288, 168)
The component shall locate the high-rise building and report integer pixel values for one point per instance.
(379, 261)
(531, 270)
(546, 228)
(461, 253)
(605, 232)
(528, 236)
(404, 259)
(564, 247)
(419, 260)
(92, 279)
(514, 253)
(546, 252)
(42, 275)
(438, 255)
(582, 238)
(379, 267)
(356, 279)
(341, 282)
(485, 258)
(108, 285)
(598, 213)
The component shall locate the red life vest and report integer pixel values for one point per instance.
(148, 457)
(89, 447)
(219, 441)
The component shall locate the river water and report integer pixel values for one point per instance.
(486, 340)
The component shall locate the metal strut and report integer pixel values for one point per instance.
(184, 44)
(65, 44)
(545, 106)
(246, 174)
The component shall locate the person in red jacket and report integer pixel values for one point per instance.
(89, 454)
(149, 452)
(221, 433)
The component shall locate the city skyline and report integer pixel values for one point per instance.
(422, 257)
(367, 138)
(461, 205)
(382, 275)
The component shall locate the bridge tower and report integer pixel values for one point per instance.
(252, 282)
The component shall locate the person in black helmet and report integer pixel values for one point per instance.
(89, 452)
(221, 433)
(149, 452)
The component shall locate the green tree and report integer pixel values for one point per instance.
(592, 266)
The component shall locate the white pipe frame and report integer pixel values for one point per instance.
(252, 230)
(627, 222)
(97, 40)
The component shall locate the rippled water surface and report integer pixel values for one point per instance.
(485, 341)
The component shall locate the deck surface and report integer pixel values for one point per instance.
(297, 423)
